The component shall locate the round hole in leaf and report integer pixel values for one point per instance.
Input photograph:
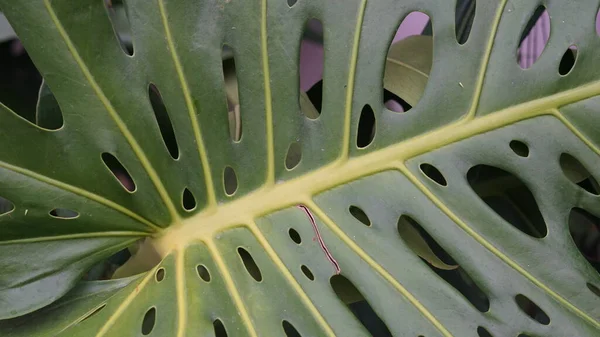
(568, 61)
(307, 273)
(295, 236)
(532, 310)
(63, 213)
(203, 272)
(519, 148)
(230, 181)
(366, 127)
(160, 274)
(219, 328)
(149, 321)
(433, 173)
(293, 156)
(360, 215)
(289, 329)
(188, 200)
(578, 174)
(250, 264)
(593, 289)
(482, 332)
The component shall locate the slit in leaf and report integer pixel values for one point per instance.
(532, 310)
(311, 69)
(464, 16)
(92, 313)
(293, 156)
(440, 262)
(230, 182)
(203, 272)
(6, 206)
(163, 120)
(359, 306)
(367, 127)
(433, 173)
(63, 213)
(593, 289)
(578, 174)
(188, 200)
(149, 321)
(307, 272)
(219, 328)
(289, 329)
(250, 264)
(534, 38)
(568, 61)
(360, 215)
(508, 197)
(48, 114)
(119, 19)
(230, 79)
(482, 332)
(119, 171)
(291, 3)
(585, 231)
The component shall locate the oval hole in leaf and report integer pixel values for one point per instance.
(291, 3)
(433, 173)
(359, 306)
(464, 15)
(519, 148)
(568, 61)
(230, 79)
(160, 274)
(293, 156)
(92, 313)
(119, 171)
(149, 321)
(63, 213)
(508, 197)
(578, 174)
(295, 236)
(307, 273)
(219, 328)
(163, 120)
(440, 262)
(482, 332)
(359, 215)
(230, 181)
(289, 329)
(188, 200)
(593, 289)
(534, 38)
(366, 127)
(250, 264)
(6, 206)
(117, 13)
(311, 70)
(48, 114)
(532, 310)
(203, 272)
(585, 231)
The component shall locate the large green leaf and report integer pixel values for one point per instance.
(432, 223)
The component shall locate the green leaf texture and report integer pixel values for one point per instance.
(453, 219)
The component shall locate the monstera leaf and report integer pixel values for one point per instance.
(468, 214)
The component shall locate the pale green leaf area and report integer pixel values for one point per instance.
(468, 215)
